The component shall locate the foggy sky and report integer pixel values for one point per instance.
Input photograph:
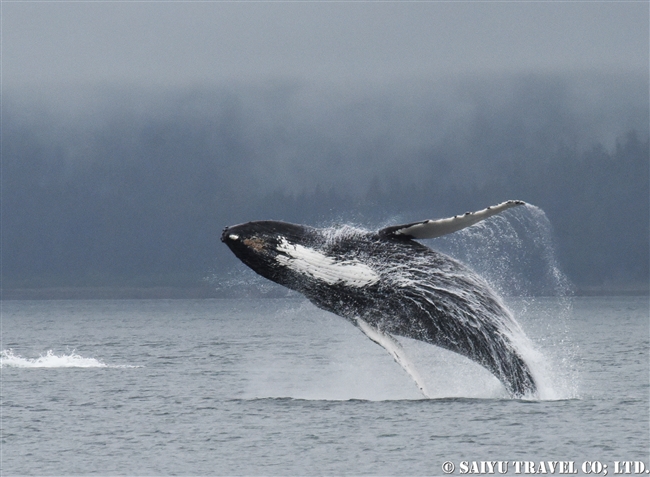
(171, 44)
(294, 136)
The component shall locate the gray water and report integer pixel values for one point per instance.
(278, 387)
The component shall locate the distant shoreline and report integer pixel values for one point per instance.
(135, 293)
(154, 293)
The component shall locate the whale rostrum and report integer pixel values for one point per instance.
(388, 284)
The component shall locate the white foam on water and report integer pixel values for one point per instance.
(50, 360)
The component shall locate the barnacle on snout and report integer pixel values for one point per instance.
(255, 243)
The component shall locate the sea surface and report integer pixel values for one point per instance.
(279, 387)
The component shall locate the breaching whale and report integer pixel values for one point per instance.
(388, 284)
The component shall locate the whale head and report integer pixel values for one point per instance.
(296, 256)
(262, 246)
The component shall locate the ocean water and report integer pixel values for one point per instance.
(279, 387)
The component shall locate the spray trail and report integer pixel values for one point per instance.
(8, 359)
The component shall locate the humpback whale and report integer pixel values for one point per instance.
(388, 284)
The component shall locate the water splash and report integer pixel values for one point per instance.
(50, 360)
(515, 253)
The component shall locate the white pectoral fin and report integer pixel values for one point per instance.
(395, 349)
(428, 229)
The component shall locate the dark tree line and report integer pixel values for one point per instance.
(141, 200)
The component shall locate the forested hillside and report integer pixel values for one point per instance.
(134, 189)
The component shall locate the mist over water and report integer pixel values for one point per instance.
(292, 137)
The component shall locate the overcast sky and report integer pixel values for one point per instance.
(172, 44)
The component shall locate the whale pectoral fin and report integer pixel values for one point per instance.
(428, 229)
(394, 348)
